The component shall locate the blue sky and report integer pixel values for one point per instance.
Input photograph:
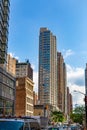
(67, 19)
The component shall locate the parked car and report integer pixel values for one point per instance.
(11, 124)
(53, 128)
(19, 124)
(75, 127)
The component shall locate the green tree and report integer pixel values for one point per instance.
(77, 115)
(57, 116)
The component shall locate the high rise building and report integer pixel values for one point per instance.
(86, 79)
(47, 85)
(86, 95)
(60, 61)
(4, 23)
(7, 81)
(61, 82)
(69, 102)
(71, 105)
(65, 88)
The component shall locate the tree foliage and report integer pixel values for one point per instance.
(77, 115)
(57, 116)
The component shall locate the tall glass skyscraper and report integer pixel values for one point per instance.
(4, 19)
(47, 85)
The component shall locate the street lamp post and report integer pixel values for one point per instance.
(79, 92)
(85, 106)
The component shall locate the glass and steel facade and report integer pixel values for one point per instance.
(7, 81)
(4, 24)
(7, 93)
(47, 87)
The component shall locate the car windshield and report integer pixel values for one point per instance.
(11, 125)
(34, 126)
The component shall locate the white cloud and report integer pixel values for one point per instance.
(78, 98)
(67, 53)
(75, 81)
(33, 66)
(75, 75)
(35, 79)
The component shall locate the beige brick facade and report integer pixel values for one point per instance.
(24, 96)
(11, 64)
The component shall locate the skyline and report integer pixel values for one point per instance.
(68, 22)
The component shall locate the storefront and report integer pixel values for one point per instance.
(7, 93)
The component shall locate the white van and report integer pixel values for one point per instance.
(19, 124)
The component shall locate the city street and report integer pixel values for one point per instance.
(65, 127)
(43, 65)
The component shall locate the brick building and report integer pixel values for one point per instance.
(24, 96)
